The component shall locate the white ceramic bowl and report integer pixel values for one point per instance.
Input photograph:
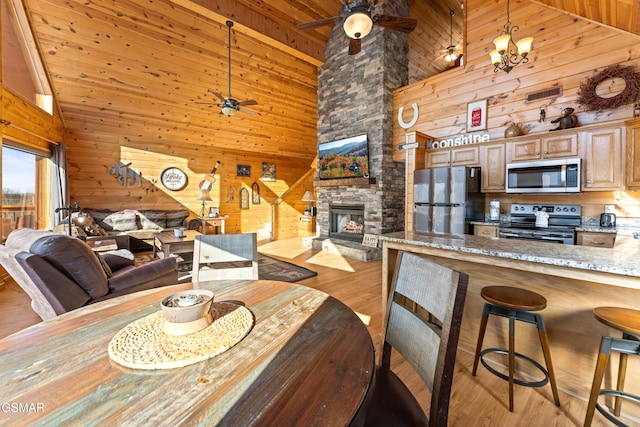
(187, 312)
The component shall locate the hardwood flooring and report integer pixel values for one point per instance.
(475, 401)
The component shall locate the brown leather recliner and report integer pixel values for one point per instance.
(70, 275)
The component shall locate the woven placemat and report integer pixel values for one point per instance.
(144, 345)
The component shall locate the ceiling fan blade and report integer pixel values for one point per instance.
(248, 102)
(318, 23)
(217, 94)
(354, 46)
(397, 23)
(244, 110)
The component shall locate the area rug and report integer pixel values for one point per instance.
(268, 269)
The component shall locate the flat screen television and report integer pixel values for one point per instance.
(345, 158)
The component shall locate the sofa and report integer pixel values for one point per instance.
(132, 229)
(61, 273)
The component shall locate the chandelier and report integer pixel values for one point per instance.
(508, 53)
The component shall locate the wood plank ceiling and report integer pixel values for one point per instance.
(141, 68)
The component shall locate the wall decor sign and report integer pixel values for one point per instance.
(243, 170)
(477, 115)
(173, 178)
(268, 171)
(476, 138)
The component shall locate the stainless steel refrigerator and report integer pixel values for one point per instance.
(446, 199)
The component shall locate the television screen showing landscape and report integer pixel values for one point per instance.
(346, 158)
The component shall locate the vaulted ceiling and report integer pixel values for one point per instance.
(144, 68)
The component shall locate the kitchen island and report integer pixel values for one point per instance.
(573, 279)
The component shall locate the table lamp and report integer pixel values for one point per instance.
(308, 197)
(203, 196)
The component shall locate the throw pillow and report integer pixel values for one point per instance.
(153, 220)
(122, 221)
(176, 218)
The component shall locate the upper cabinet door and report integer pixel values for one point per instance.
(560, 146)
(493, 168)
(603, 159)
(523, 150)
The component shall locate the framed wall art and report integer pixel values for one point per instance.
(268, 171)
(244, 198)
(255, 193)
(477, 115)
(243, 170)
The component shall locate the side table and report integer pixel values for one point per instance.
(306, 226)
(212, 222)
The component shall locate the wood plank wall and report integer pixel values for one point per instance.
(91, 155)
(566, 51)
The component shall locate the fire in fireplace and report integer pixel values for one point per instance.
(346, 222)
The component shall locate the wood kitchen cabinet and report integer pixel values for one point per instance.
(485, 230)
(493, 168)
(602, 159)
(633, 154)
(462, 156)
(547, 147)
(595, 239)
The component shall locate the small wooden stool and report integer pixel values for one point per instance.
(515, 304)
(627, 321)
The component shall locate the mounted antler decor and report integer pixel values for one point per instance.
(590, 100)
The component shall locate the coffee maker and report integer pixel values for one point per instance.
(608, 220)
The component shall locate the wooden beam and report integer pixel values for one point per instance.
(279, 35)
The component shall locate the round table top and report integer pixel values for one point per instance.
(308, 360)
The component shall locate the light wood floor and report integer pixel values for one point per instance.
(475, 401)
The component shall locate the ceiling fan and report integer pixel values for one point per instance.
(358, 19)
(451, 52)
(230, 106)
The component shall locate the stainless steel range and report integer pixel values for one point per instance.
(561, 223)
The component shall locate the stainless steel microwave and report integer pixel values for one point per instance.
(544, 176)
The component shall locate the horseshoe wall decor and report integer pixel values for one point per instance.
(413, 121)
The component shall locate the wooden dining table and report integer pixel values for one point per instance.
(308, 360)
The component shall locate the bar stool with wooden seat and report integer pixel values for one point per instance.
(515, 304)
(627, 321)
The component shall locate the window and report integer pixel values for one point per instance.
(21, 172)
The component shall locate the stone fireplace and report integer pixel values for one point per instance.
(355, 97)
(346, 222)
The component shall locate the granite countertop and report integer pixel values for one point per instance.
(622, 259)
(597, 229)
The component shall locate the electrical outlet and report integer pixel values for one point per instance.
(609, 208)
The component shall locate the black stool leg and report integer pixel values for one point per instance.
(483, 328)
(601, 365)
(544, 342)
(512, 359)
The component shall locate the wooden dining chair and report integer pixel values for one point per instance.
(225, 256)
(422, 323)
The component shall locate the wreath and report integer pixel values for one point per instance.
(588, 98)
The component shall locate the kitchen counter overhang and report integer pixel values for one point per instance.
(618, 266)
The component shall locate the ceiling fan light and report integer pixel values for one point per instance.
(228, 111)
(451, 55)
(358, 25)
